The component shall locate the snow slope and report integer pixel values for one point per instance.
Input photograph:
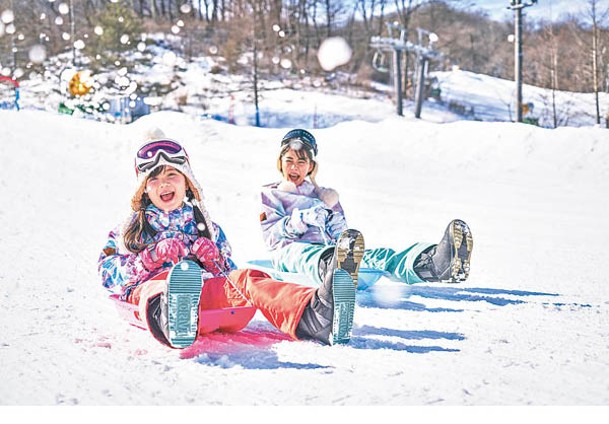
(487, 98)
(530, 326)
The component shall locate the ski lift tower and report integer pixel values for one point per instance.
(517, 6)
(397, 45)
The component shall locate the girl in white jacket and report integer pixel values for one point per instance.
(301, 222)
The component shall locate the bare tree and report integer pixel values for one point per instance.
(596, 18)
(553, 60)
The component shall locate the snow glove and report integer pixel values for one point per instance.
(300, 220)
(208, 255)
(167, 250)
(335, 225)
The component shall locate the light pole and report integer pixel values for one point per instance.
(517, 6)
(423, 63)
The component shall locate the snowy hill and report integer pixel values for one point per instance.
(485, 98)
(530, 326)
(203, 87)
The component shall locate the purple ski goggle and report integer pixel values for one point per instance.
(149, 155)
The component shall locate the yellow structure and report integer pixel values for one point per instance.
(81, 83)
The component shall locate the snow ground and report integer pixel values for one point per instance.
(529, 328)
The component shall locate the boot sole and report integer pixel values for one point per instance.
(343, 292)
(184, 286)
(349, 252)
(463, 244)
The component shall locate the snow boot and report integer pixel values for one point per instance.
(449, 260)
(350, 254)
(325, 262)
(328, 317)
(175, 313)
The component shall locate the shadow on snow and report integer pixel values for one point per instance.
(253, 348)
(361, 340)
(396, 296)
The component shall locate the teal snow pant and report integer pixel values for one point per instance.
(304, 258)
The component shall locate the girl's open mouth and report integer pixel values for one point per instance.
(167, 197)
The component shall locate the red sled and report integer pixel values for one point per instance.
(225, 319)
(230, 319)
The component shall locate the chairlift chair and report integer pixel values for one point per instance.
(379, 62)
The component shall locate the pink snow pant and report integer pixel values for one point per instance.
(281, 303)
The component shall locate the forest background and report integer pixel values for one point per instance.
(567, 52)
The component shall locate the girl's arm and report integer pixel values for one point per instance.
(288, 217)
(225, 248)
(277, 226)
(119, 269)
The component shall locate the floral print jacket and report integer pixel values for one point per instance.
(121, 270)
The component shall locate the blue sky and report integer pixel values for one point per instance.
(544, 9)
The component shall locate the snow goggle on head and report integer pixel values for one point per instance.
(300, 136)
(150, 154)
